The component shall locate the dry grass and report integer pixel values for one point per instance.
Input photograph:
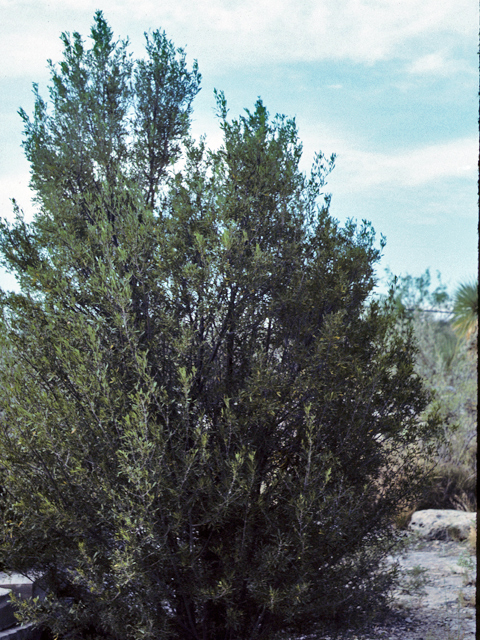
(472, 540)
(402, 519)
(467, 601)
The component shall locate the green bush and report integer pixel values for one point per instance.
(447, 362)
(204, 415)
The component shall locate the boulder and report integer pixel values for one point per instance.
(22, 586)
(7, 617)
(443, 524)
(22, 632)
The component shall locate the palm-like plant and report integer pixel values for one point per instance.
(465, 310)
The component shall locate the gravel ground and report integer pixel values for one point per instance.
(437, 598)
(438, 595)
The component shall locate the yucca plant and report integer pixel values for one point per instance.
(465, 310)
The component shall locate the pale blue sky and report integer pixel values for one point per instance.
(390, 86)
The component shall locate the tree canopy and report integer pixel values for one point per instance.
(207, 424)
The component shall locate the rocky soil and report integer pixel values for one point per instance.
(436, 600)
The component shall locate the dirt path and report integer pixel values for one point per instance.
(438, 594)
(437, 598)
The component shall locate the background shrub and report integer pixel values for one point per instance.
(446, 330)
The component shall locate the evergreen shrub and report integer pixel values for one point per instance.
(200, 401)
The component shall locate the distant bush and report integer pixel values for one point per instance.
(447, 361)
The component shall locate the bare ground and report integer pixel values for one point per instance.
(436, 600)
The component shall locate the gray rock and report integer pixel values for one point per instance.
(7, 617)
(443, 524)
(23, 587)
(20, 585)
(23, 632)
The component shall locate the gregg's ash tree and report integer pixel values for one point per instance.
(206, 427)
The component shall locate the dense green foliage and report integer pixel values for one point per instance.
(206, 426)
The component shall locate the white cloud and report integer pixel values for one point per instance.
(224, 33)
(359, 170)
(15, 186)
(438, 64)
(433, 62)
